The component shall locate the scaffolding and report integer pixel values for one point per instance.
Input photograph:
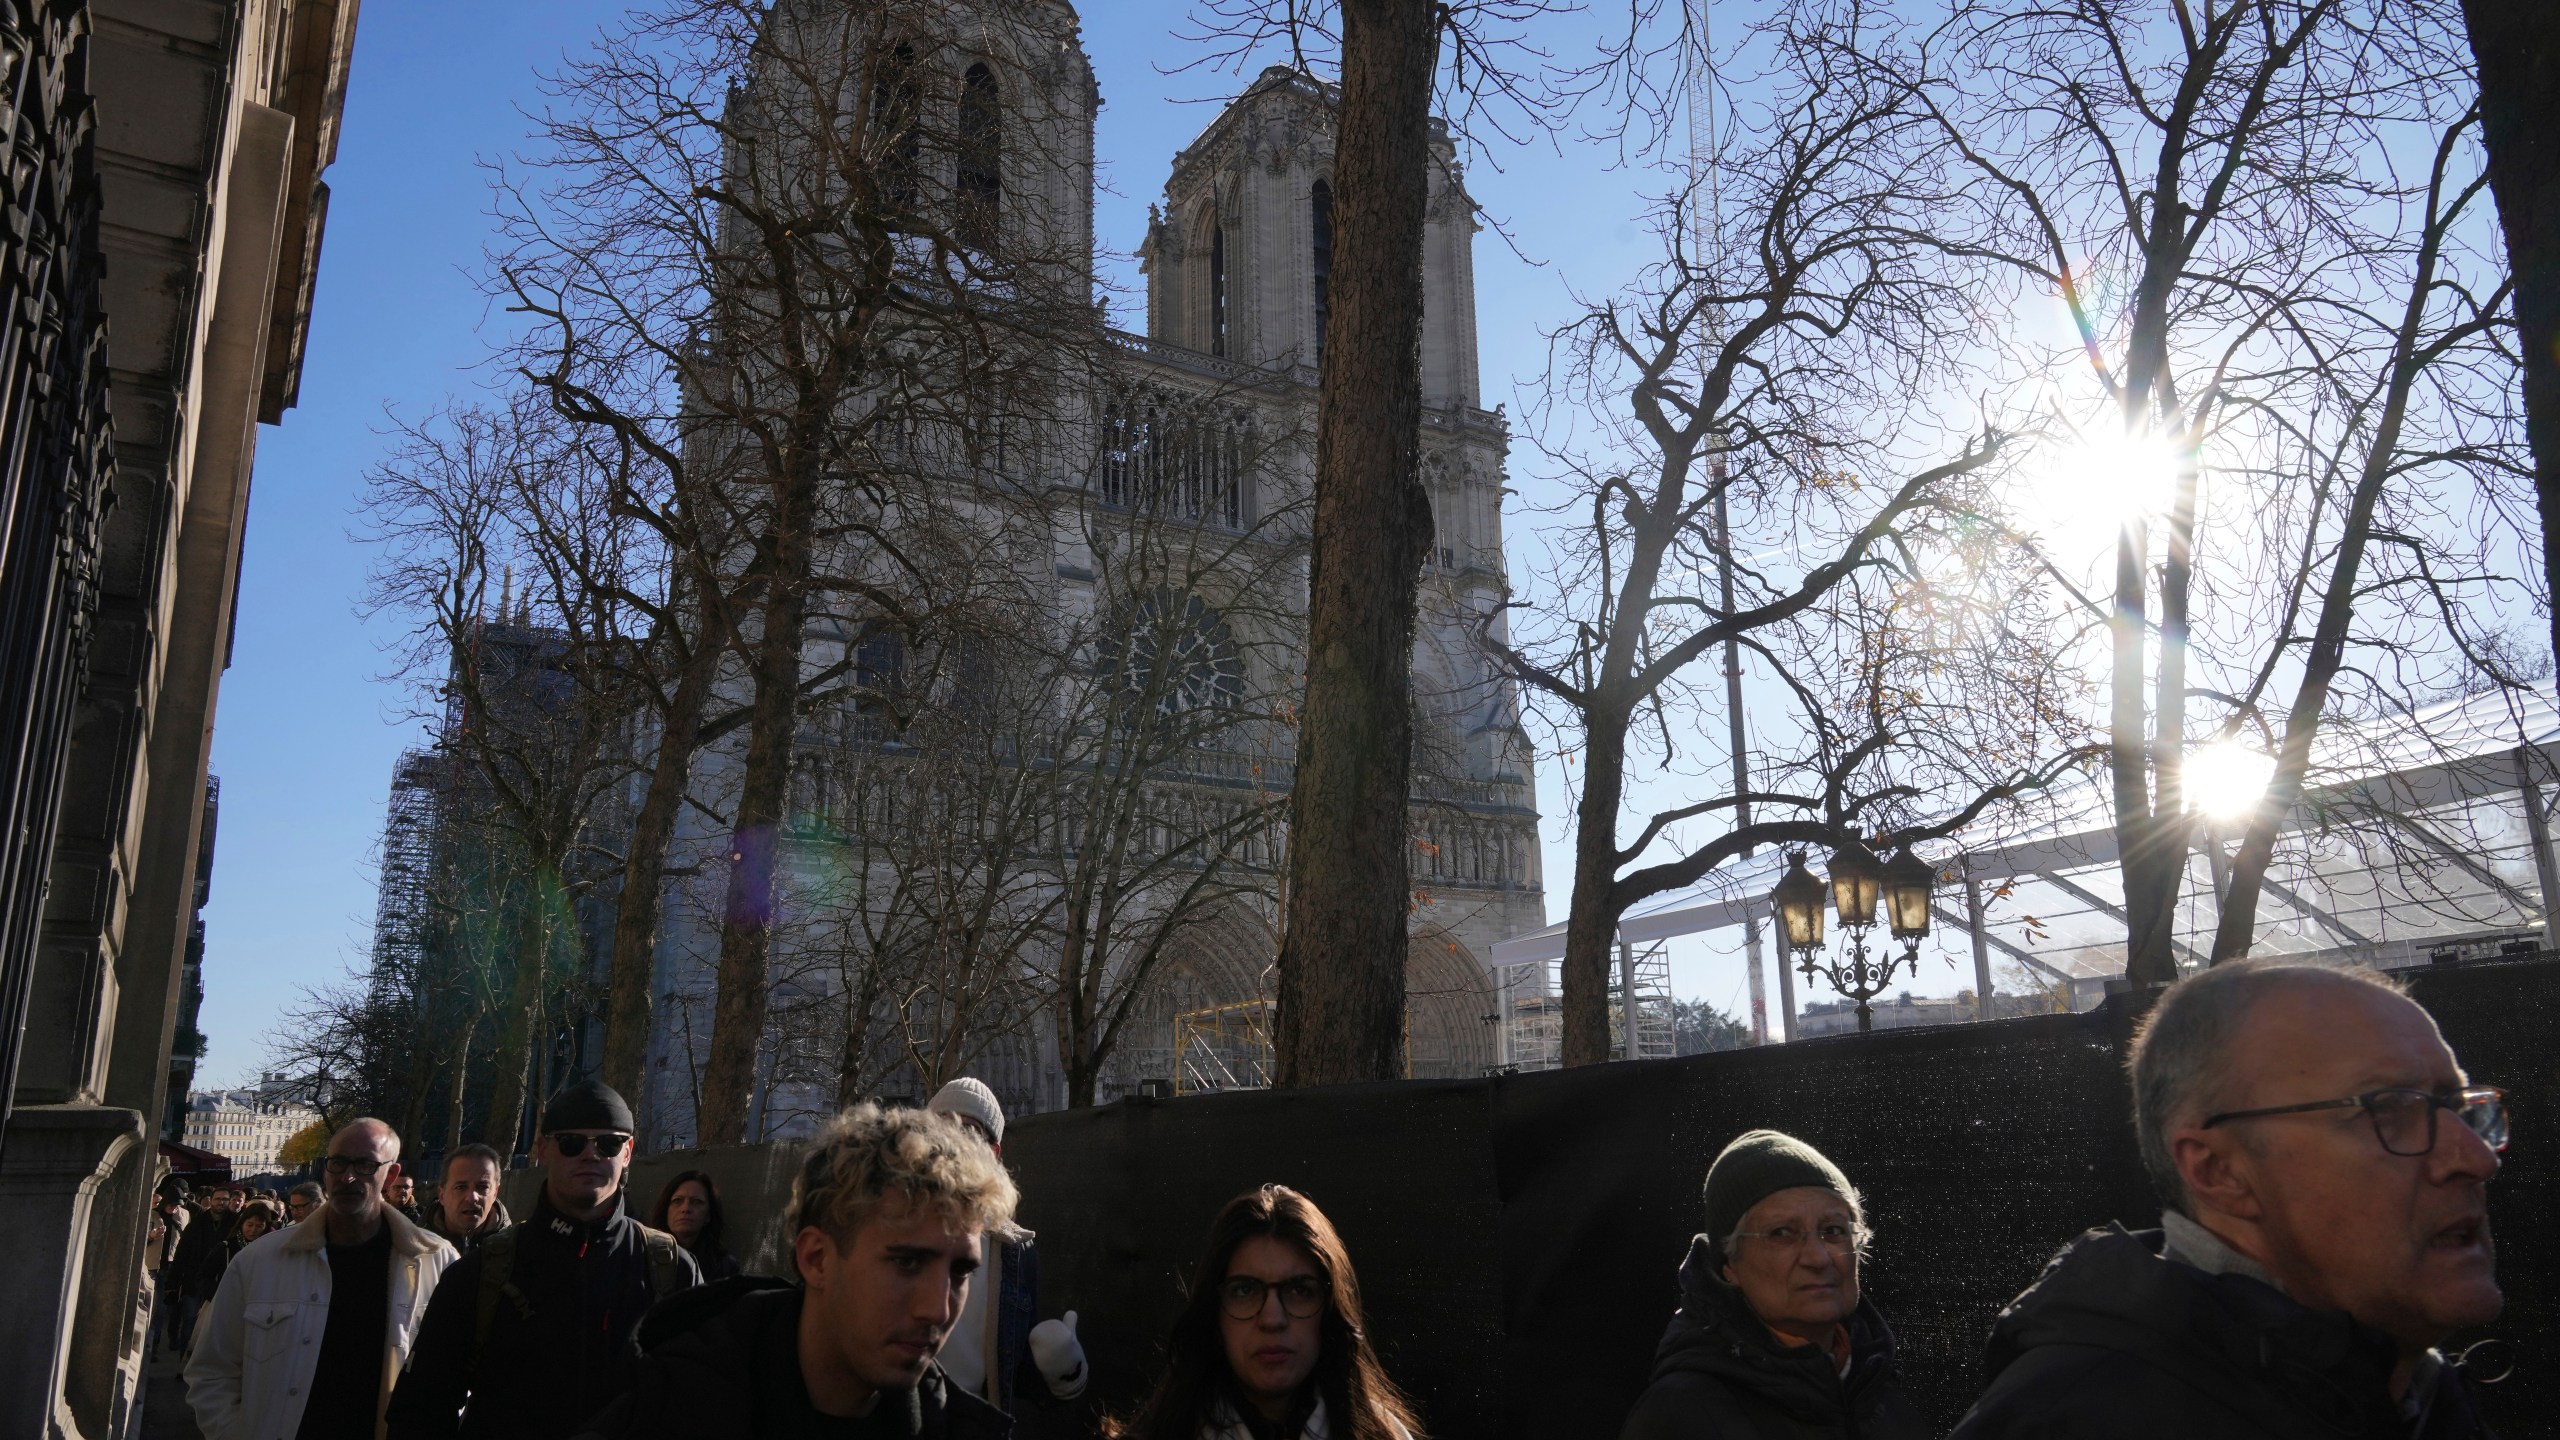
(1639, 1002)
(404, 914)
(1223, 1047)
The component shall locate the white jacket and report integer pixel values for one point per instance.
(258, 1343)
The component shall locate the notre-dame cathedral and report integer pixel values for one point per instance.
(1236, 260)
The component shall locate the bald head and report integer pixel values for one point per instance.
(366, 1136)
(2316, 1122)
(363, 1159)
(2189, 1055)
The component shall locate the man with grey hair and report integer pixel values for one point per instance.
(886, 1225)
(2325, 1165)
(311, 1324)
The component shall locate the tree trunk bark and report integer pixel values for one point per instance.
(1342, 953)
(459, 1086)
(635, 918)
(524, 1003)
(737, 1017)
(781, 571)
(1591, 924)
(2517, 44)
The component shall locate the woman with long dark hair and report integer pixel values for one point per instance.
(689, 1209)
(1271, 1345)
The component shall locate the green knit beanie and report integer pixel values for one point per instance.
(1757, 1165)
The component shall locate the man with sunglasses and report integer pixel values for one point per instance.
(2325, 1166)
(310, 1324)
(532, 1330)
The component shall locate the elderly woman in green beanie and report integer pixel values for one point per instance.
(1772, 1340)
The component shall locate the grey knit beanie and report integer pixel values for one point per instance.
(1757, 1165)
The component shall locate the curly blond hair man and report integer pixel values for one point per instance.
(884, 1229)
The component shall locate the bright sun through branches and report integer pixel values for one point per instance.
(2079, 497)
(2226, 778)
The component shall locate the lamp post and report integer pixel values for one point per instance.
(1858, 882)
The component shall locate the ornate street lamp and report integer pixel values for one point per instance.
(1858, 882)
(1910, 884)
(1799, 902)
(1857, 878)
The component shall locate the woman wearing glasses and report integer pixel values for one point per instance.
(1272, 1345)
(1773, 1338)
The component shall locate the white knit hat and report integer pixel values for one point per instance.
(969, 1099)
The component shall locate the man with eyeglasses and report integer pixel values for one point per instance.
(2325, 1166)
(531, 1333)
(1773, 1337)
(310, 1325)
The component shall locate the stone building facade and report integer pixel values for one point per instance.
(246, 1127)
(183, 142)
(1236, 259)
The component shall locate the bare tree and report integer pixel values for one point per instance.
(2393, 457)
(797, 254)
(527, 683)
(1718, 428)
(2199, 188)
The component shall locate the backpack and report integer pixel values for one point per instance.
(498, 1281)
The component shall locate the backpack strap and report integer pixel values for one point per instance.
(666, 1271)
(497, 1283)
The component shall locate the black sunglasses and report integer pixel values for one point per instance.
(572, 1144)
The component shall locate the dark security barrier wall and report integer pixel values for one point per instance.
(1516, 1238)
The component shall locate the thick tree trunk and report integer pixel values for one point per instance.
(1342, 953)
(1591, 925)
(737, 1017)
(2517, 43)
(635, 919)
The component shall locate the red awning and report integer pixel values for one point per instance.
(196, 1164)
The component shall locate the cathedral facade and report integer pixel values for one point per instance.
(1236, 261)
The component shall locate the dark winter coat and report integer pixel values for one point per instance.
(2116, 1343)
(201, 1256)
(1720, 1375)
(1017, 1297)
(559, 1346)
(723, 1364)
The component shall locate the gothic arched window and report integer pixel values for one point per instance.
(1217, 287)
(1321, 207)
(981, 177)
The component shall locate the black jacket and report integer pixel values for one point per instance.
(201, 1256)
(1720, 1375)
(559, 1345)
(2114, 1341)
(723, 1364)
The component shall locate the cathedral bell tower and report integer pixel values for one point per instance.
(1238, 257)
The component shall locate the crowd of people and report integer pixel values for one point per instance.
(2324, 1230)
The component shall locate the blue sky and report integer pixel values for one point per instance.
(308, 728)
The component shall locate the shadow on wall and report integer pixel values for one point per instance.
(1516, 1238)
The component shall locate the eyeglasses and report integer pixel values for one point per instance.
(2404, 1120)
(572, 1144)
(1834, 1237)
(356, 1165)
(1241, 1296)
